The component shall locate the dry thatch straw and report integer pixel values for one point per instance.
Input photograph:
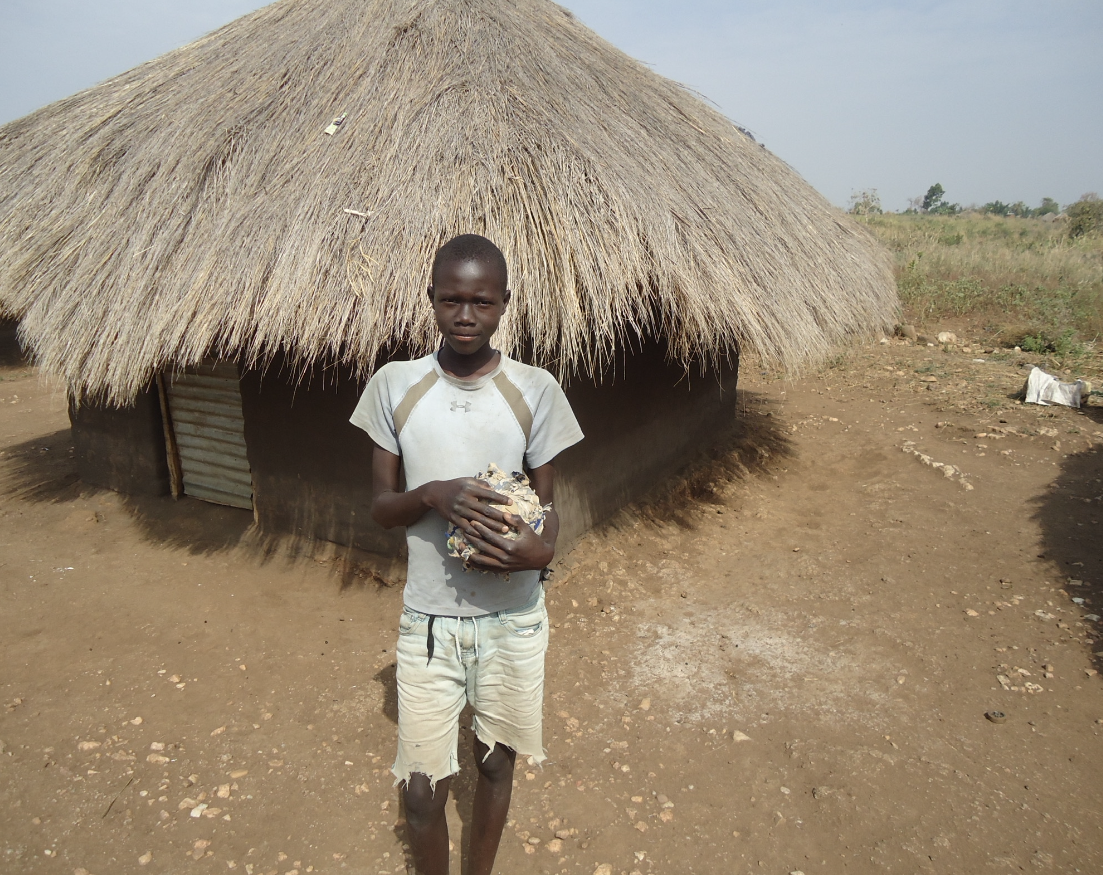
(195, 206)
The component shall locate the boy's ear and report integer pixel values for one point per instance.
(432, 300)
(506, 295)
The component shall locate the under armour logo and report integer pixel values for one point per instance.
(465, 407)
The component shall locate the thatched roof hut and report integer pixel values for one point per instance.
(205, 205)
(196, 206)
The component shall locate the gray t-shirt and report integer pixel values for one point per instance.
(443, 428)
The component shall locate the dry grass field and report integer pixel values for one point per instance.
(1022, 282)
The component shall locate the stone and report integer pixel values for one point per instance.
(145, 859)
(947, 337)
(604, 869)
(555, 846)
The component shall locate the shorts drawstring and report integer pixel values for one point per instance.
(431, 641)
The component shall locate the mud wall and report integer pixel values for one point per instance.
(12, 353)
(311, 467)
(121, 448)
(645, 421)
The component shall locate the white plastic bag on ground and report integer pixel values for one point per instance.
(1043, 388)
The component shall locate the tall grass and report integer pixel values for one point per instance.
(1021, 280)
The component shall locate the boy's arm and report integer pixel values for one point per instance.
(462, 502)
(528, 552)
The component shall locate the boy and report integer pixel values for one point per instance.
(466, 634)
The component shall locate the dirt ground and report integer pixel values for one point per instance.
(791, 675)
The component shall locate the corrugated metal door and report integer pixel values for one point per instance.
(208, 430)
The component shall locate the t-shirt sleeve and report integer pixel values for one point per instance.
(554, 427)
(374, 412)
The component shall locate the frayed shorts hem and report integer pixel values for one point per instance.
(494, 662)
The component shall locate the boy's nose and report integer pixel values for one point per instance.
(465, 314)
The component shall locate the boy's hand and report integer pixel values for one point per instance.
(527, 552)
(466, 501)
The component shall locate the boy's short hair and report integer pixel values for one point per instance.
(471, 247)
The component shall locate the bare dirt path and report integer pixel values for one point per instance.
(792, 676)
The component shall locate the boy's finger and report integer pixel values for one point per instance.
(491, 497)
(490, 536)
(465, 518)
(515, 522)
(487, 550)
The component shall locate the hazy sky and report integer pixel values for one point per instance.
(995, 99)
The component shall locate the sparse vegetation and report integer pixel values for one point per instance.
(1086, 215)
(866, 202)
(1026, 282)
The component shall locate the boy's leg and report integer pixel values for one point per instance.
(431, 695)
(492, 794)
(507, 692)
(426, 826)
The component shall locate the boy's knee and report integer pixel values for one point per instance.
(423, 801)
(498, 766)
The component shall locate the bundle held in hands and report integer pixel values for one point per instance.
(526, 505)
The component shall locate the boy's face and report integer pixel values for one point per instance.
(468, 299)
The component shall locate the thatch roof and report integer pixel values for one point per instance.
(195, 206)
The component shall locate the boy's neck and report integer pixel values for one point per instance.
(468, 367)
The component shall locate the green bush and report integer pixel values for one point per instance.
(1085, 216)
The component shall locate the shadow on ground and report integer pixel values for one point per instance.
(1070, 515)
(43, 470)
(758, 440)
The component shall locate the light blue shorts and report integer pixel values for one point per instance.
(495, 662)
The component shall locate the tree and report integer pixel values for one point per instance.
(1049, 206)
(1086, 215)
(865, 203)
(932, 200)
(996, 208)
